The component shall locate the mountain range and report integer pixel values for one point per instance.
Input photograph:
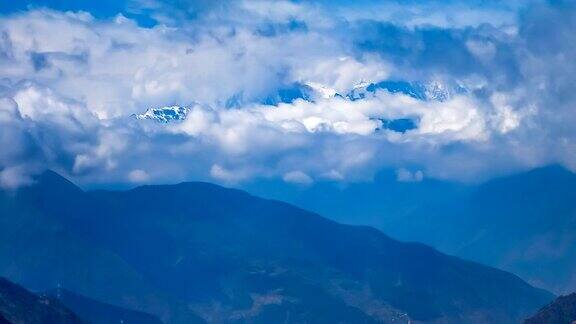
(197, 252)
(524, 223)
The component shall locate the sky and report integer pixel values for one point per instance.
(295, 91)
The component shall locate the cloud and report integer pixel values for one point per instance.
(404, 175)
(138, 175)
(297, 177)
(505, 103)
(15, 177)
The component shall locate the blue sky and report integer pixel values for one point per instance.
(102, 9)
(295, 91)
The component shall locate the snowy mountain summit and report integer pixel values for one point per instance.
(164, 114)
(425, 91)
(421, 90)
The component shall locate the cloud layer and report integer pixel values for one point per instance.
(288, 90)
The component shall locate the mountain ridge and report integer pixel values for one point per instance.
(522, 223)
(231, 256)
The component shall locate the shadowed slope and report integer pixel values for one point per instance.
(17, 305)
(561, 311)
(96, 312)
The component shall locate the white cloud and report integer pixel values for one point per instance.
(67, 96)
(458, 119)
(14, 177)
(220, 173)
(341, 74)
(298, 177)
(138, 175)
(404, 175)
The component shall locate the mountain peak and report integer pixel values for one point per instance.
(164, 114)
(51, 181)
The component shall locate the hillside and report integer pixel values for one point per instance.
(523, 223)
(96, 312)
(18, 305)
(233, 257)
(561, 311)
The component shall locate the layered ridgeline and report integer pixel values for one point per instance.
(524, 223)
(197, 252)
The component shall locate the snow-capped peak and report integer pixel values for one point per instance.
(427, 91)
(362, 84)
(324, 91)
(437, 91)
(164, 114)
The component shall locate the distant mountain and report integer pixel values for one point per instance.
(164, 114)
(18, 305)
(96, 312)
(311, 91)
(421, 90)
(561, 311)
(200, 252)
(403, 209)
(46, 241)
(523, 223)
(425, 91)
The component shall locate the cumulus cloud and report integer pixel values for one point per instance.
(498, 94)
(297, 177)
